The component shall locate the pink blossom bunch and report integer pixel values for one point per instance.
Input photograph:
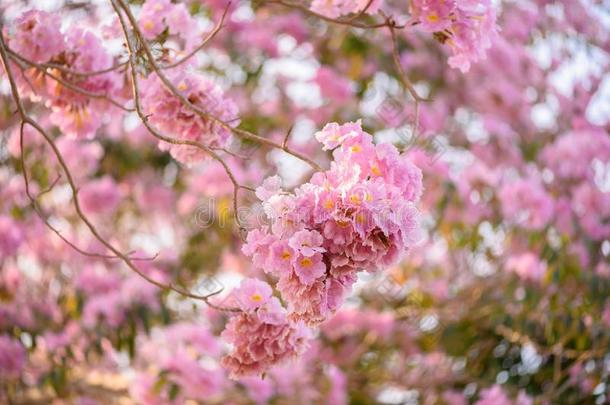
(11, 236)
(12, 357)
(36, 36)
(158, 15)
(76, 114)
(337, 8)
(359, 215)
(174, 119)
(571, 155)
(466, 26)
(185, 353)
(262, 335)
(526, 203)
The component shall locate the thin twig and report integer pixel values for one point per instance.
(209, 37)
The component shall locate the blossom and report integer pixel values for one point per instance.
(466, 26)
(358, 215)
(174, 119)
(307, 243)
(100, 196)
(526, 203)
(11, 236)
(262, 338)
(332, 85)
(337, 8)
(252, 294)
(527, 266)
(36, 36)
(493, 396)
(12, 357)
(157, 15)
(309, 269)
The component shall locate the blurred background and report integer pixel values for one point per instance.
(504, 300)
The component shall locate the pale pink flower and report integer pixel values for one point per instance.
(309, 268)
(252, 294)
(307, 243)
(526, 203)
(527, 266)
(12, 357)
(175, 120)
(36, 36)
(100, 196)
(259, 345)
(11, 236)
(493, 396)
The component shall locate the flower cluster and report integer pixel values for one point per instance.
(12, 357)
(337, 8)
(36, 36)
(262, 335)
(158, 15)
(467, 26)
(172, 117)
(359, 215)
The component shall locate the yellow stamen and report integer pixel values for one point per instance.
(306, 262)
(257, 297)
(375, 170)
(286, 255)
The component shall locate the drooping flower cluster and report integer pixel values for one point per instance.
(466, 26)
(359, 215)
(174, 119)
(337, 8)
(36, 36)
(262, 335)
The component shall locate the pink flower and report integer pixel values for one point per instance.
(12, 357)
(280, 258)
(333, 86)
(100, 196)
(466, 26)
(252, 294)
(527, 266)
(157, 15)
(337, 8)
(36, 36)
(493, 396)
(526, 203)
(259, 345)
(592, 208)
(307, 243)
(170, 116)
(309, 269)
(11, 236)
(358, 215)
